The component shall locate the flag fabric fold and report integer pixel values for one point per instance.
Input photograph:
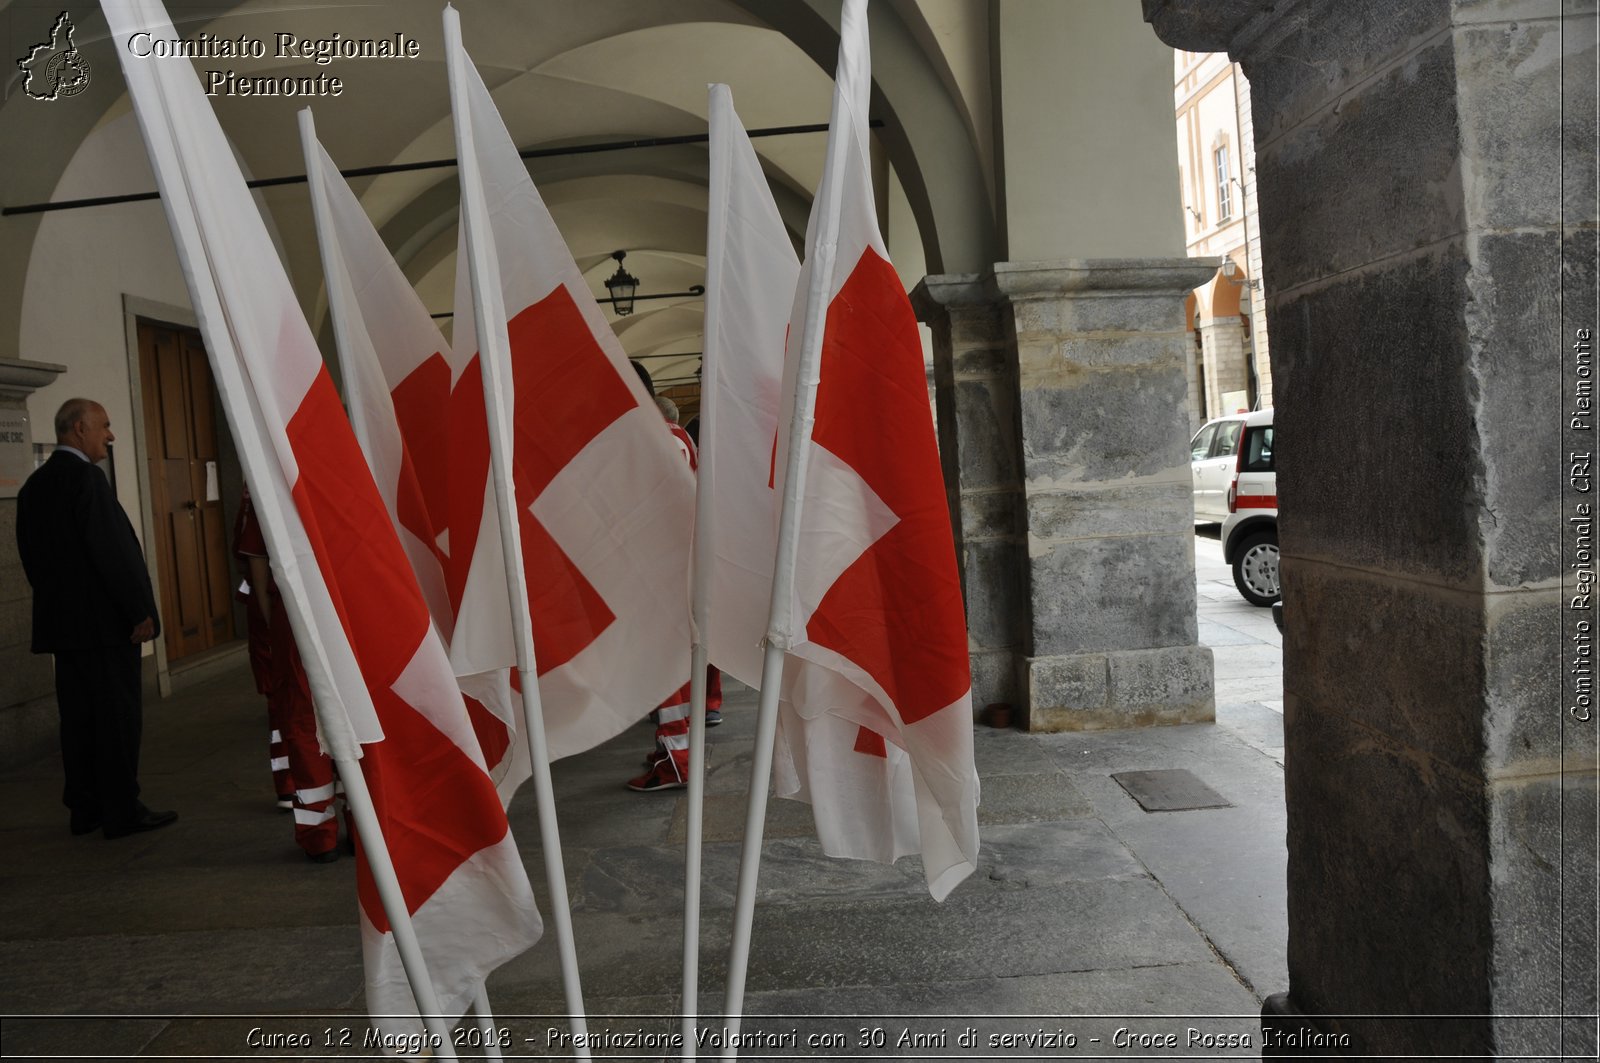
(604, 502)
(379, 673)
(751, 272)
(871, 600)
(398, 378)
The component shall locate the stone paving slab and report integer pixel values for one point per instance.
(649, 879)
(1029, 799)
(1224, 867)
(724, 818)
(1253, 630)
(880, 942)
(1259, 660)
(996, 751)
(273, 968)
(1257, 724)
(1034, 855)
(1082, 1005)
(1252, 688)
(78, 1038)
(291, 894)
(1215, 634)
(1075, 927)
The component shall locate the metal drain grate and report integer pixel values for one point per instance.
(1169, 790)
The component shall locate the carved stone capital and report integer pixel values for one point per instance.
(19, 379)
(1156, 276)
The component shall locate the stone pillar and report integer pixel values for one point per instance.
(974, 365)
(1225, 349)
(1107, 497)
(1192, 359)
(27, 694)
(1427, 191)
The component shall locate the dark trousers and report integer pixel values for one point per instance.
(99, 697)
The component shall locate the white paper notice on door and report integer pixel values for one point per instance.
(213, 492)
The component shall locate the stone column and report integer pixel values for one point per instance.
(974, 366)
(1107, 494)
(1427, 191)
(1192, 358)
(1225, 350)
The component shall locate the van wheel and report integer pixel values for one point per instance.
(1255, 569)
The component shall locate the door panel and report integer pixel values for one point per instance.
(213, 533)
(181, 438)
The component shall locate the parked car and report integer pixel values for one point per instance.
(1250, 530)
(1213, 455)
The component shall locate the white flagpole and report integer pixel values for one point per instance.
(754, 826)
(494, 346)
(356, 382)
(821, 252)
(331, 714)
(260, 468)
(699, 596)
(491, 1039)
(696, 814)
(376, 851)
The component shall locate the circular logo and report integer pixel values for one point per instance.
(67, 74)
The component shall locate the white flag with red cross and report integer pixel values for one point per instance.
(864, 800)
(398, 380)
(378, 671)
(605, 503)
(873, 598)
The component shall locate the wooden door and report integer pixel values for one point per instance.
(181, 442)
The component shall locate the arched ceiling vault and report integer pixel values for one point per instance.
(563, 73)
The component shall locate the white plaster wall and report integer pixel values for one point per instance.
(83, 262)
(958, 31)
(901, 236)
(1216, 127)
(1086, 102)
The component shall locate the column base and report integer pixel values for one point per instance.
(1120, 689)
(1286, 1033)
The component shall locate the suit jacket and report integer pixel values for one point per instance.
(90, 584)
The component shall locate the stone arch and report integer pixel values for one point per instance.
(925, 133)
(1218, 298)
(927, 137)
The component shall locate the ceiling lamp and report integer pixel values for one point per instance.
(622, 285)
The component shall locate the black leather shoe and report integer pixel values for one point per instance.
(324, 858)
(85, 822)
(143, 820)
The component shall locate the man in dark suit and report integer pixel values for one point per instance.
(92, 608)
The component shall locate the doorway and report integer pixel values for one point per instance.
(180, 424)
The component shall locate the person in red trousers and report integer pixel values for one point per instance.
(668, 765)
(307, 771)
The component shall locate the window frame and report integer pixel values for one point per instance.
(1224, 183)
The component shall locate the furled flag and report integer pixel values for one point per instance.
(874, 599)
(861, 788)
(604, 501)
(751, 271)
(359, 615)
(398, 380)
